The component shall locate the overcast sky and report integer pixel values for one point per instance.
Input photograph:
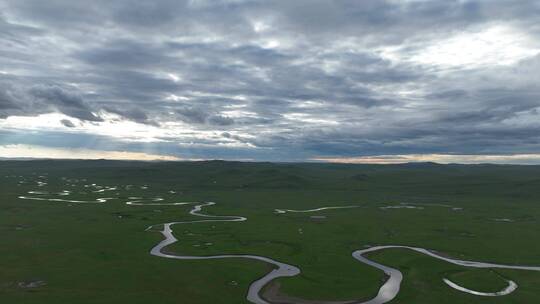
(355, 81)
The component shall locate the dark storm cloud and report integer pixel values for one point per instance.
(123, 53)
(40, 99)
(68, 123)
(220, 120)
(203, 116)
(193, 115)
(7, 102)
(63, 101)
(131, 113)
(296, 78)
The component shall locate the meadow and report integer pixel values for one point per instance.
(72, 252)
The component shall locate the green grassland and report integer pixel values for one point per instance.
(99, 253)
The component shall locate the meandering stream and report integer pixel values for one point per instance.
(281, 211)
(38, 196)
(508, 290)
(387, 292)
(282, 270)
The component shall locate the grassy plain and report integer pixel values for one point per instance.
(98, 253)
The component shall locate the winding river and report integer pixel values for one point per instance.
(387, 292)
(390, 288)
(281, 211)
(282, 270)
(38, 196)
(139, 201)
(508, 290)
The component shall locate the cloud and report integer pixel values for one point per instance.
(7, 102)
(199, 115)
(38, 99)
(131, 113)
(286, 80)
(26, 151)
(63, 101)
(193, 115)
(220, 120)
(67, 123)
(517, 159)
(123, 53)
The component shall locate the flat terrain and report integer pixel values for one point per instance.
(73, 252)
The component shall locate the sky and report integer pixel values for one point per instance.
(366, 81)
